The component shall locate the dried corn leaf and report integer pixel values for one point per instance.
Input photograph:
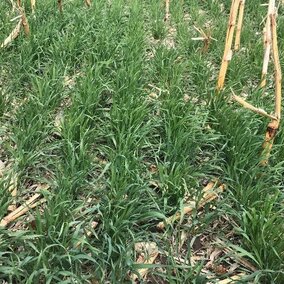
(209, 194)
(233, 279)
(15, 32)
(147, 254)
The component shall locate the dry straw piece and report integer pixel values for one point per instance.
(13, 189)
(23, 209)
(15, 32)
(167, 15)
(239, 259)
(209, 193)
(87, 234)
(23, 22)
(88, 3)
(60, 6)
(232, 279)
(147, 254)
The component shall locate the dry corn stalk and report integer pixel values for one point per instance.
(240, 24)
(60, 6)
(88, 3)
(167, 15)
(277, 67)
(23, 209)
(227, 56)
(33, 3)
(15, 32)
(270, 134)
(13, 189)
(13, 5)
(267, 45)
(209, 194)
(25, 23)
(273, 126)
(252, 108)
(147, 254)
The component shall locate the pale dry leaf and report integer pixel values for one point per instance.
(186, 98)
(233, 267)
(2, 168)
(147, 254)
(59, 118)
(169, 41)
(186, 17)
(214, 254)
(153, 96)
(209, 193)
(153, 169)
(33, 3)
(69, 82)
(183, 238)
(232, 279)
(146, 247)
(88, 3)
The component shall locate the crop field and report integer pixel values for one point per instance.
(120, 162)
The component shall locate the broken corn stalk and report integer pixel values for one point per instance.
(273, 126)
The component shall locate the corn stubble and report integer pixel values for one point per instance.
(270, 45)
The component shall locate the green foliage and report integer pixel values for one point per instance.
(99, 104)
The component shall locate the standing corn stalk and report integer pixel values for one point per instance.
(227, 56)
(33, 3)
(25, 23)
(60, 6)
(167, 14)
(270, 45)
(88, 3)
(273, 126)
(240, 24)
(267, 38)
